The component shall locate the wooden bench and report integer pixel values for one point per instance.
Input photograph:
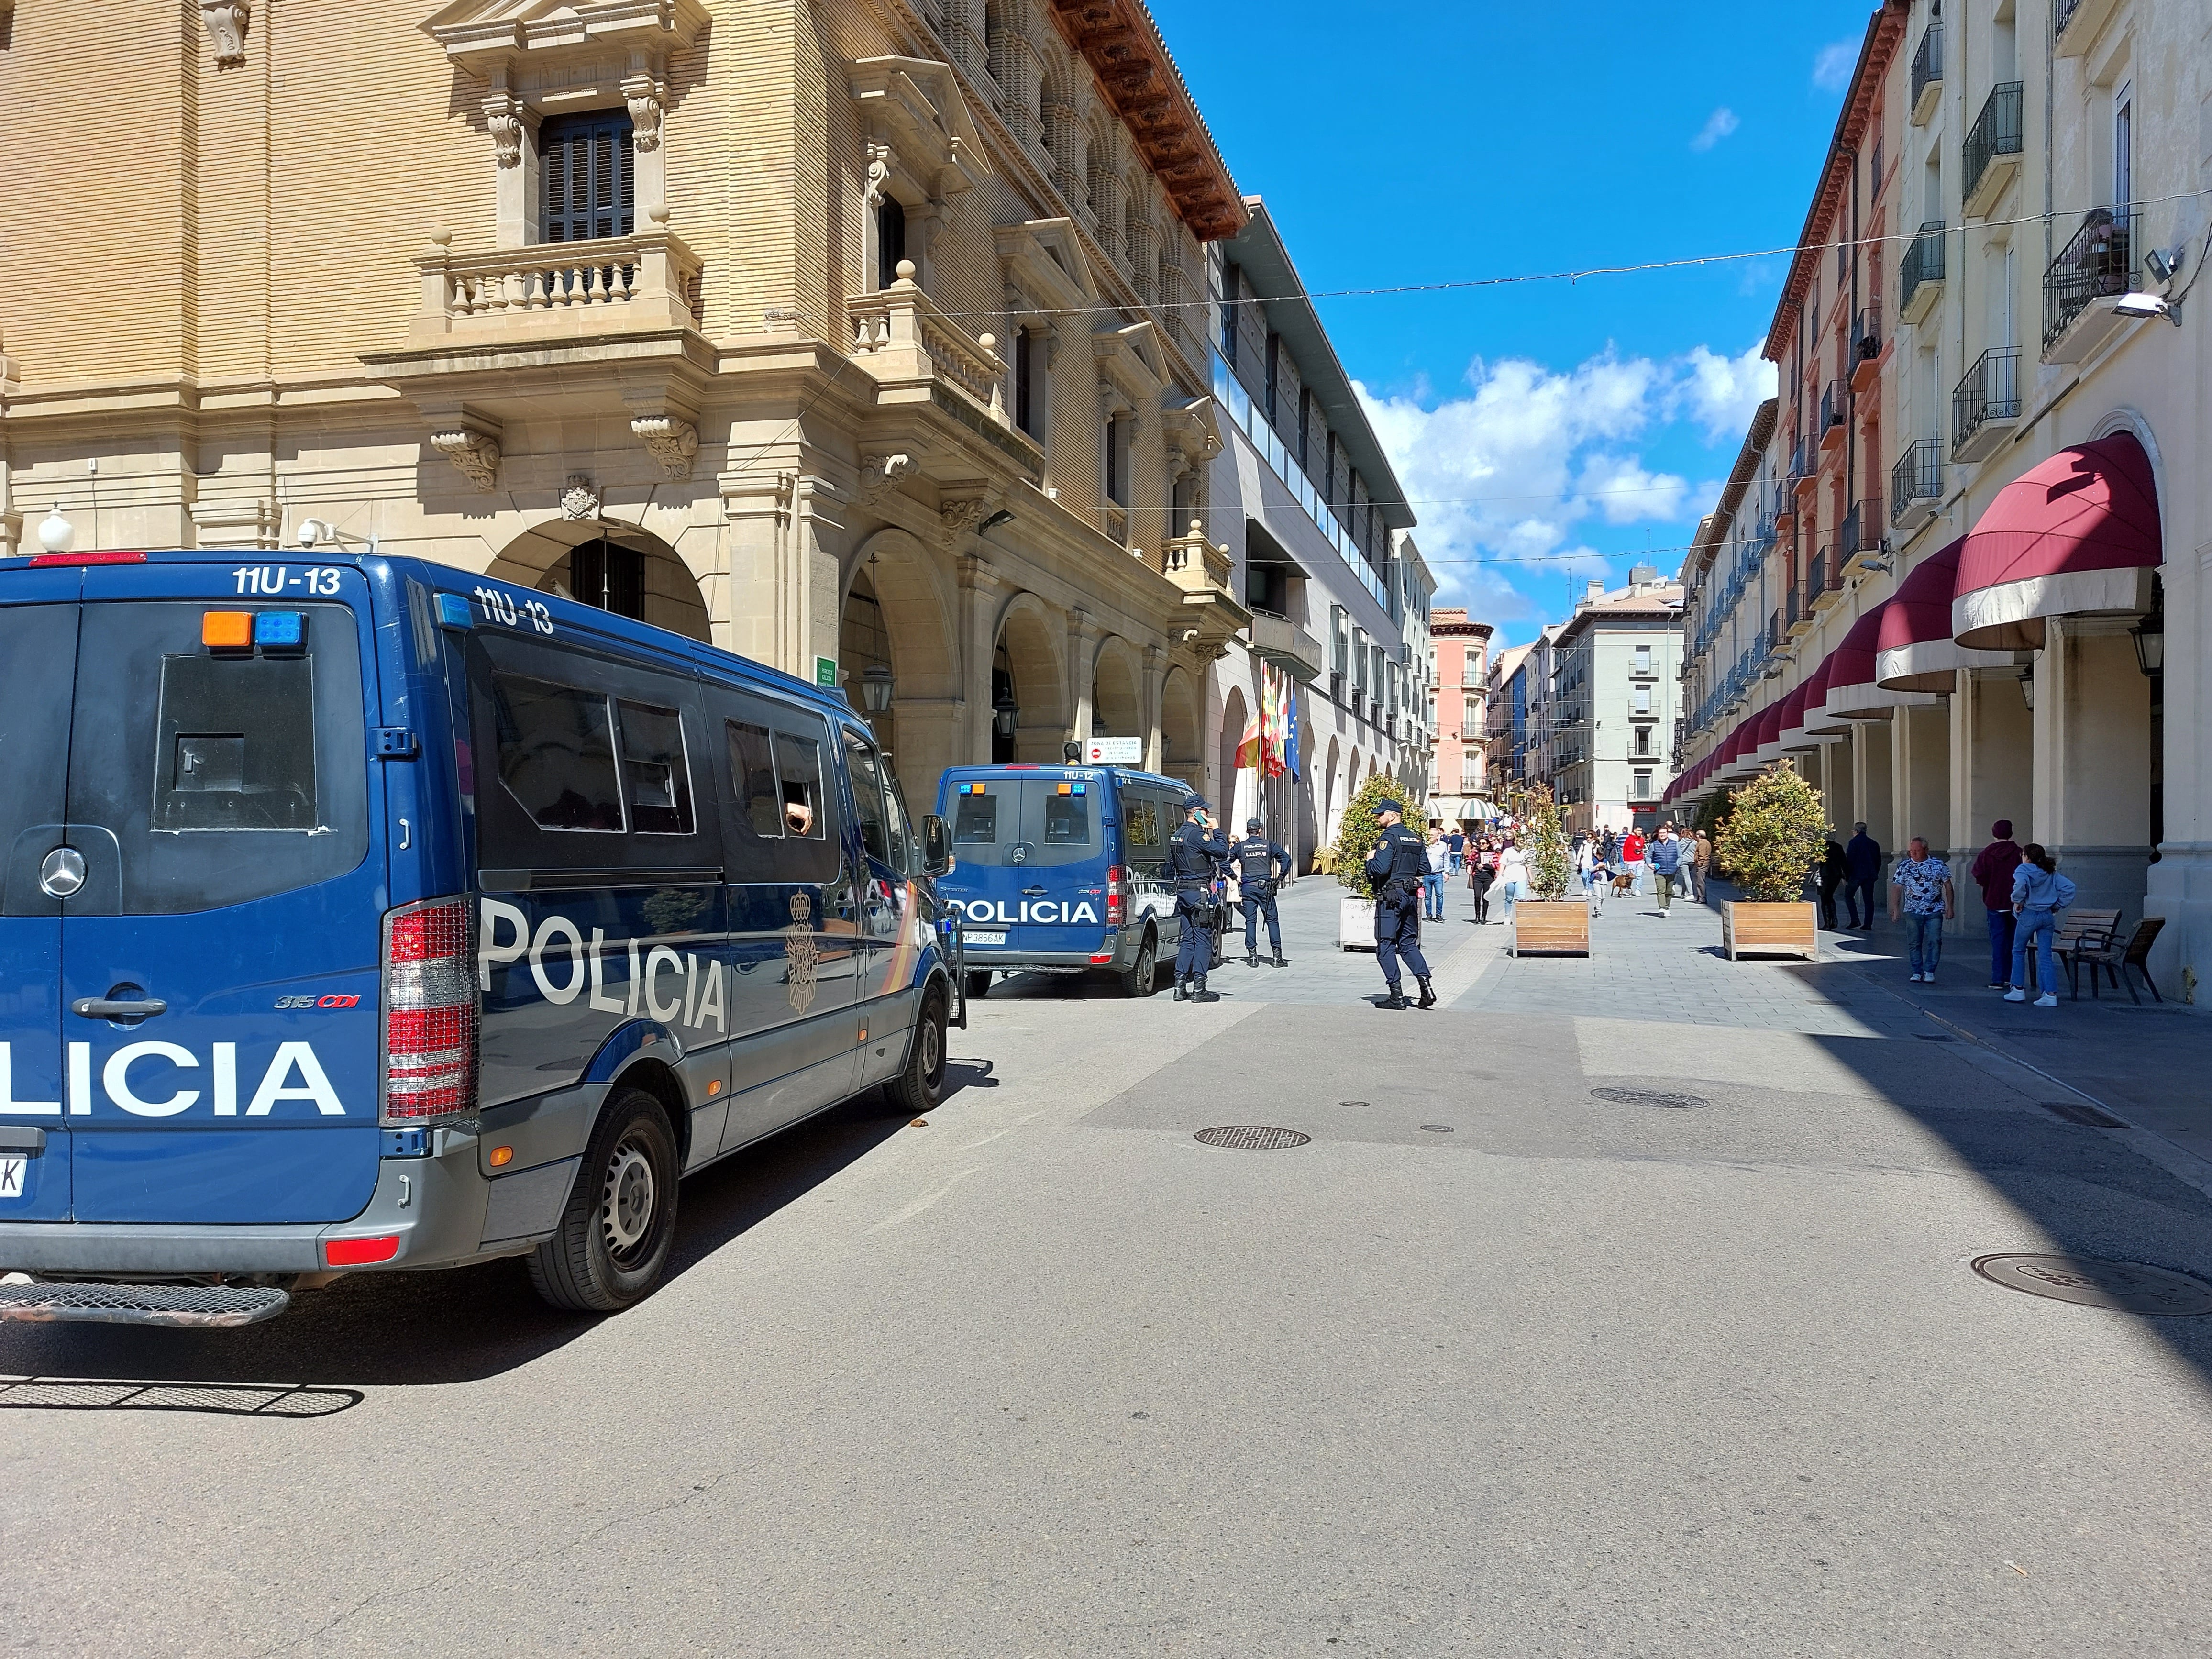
(2116, 959)
(2078, 931)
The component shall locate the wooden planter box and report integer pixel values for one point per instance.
(1791, 929)
(1557, 928)
(1355, 924)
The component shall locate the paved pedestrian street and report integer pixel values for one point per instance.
(1624, 1306)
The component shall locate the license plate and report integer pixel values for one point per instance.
(975, 938)
(11, 1177)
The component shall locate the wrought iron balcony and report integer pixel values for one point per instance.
(2099, 262)
(1804, 462)
(1916, 484)
(1866, 346)
(1927, 74)
(1835, 410)
(1985, 403)
(1920, 276)
(1992, 146)
(2075, 25)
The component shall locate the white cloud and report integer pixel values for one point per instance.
(1833, 65)
(1624, 493)
(1720, 393)
(1721, 123)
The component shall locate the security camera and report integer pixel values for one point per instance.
(313, 531)
(2144, 306)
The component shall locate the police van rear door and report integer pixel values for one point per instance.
(1051, 888)
(38, 668)
(220, 964)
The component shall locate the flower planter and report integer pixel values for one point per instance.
(1790, 929)
(1559, 927)
(1355, 924)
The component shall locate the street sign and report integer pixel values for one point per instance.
(825, 670)
(1114, 752)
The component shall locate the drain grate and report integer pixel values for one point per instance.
(2123, 1286)
(1437, 1128)
(1360, 1104)
(2075, 1111)
(1648, 1097)
(1251, 1138)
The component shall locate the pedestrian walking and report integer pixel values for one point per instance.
(1456, 843)
(1432, 878)
(1992, 872)
(1632, 860)
(1862, 869)
(1922, 885)
(1260, 865)
(1831, 872)
(1512, 875)
(1599, 881)
(1585, 858)
(1481, 873)
(2038, 894)
(1193, 851)
(1399, 863)
(1665, 857)
(1701, 865)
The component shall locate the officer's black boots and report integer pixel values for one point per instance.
(1200, 993)
(1279, 962)
(1251, 958)
(1183, 990)
(1396, 999)
(1428, 995)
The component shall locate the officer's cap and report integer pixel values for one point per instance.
(1193, 803)
(1387, 806)
(1252, 823)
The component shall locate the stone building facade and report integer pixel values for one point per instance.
(1459, 779)
(853, 336)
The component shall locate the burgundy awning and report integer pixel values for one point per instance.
(1792, 724)
(1818, 721)
(2075, 534)
(1914, 650)
(1769, 734)
(1853, 692)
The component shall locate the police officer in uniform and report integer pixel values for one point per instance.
(1256, 858)
(1398, 862)
(1193, 851)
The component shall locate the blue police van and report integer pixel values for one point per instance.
(1062, 870)
(358, 913)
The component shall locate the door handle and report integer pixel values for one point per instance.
(118, 1008)
(1033, 892)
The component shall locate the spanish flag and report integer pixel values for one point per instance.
(1247, 746)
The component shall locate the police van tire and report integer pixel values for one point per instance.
(979, 981)
(619, 1222)
(1142, 977)
(920, 1083)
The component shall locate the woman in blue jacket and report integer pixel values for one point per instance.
(2038, 894)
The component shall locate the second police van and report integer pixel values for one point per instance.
(357, 914)
(1062, 870)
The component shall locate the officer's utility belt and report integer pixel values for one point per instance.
(1261, 890)
(1400, 887)
(1199, 901)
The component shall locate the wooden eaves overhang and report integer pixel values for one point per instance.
(1122, 44)
(1885, 30)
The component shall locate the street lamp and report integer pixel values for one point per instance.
(876, 688)
(1005, 712)
(2149, 636)
(55, 533)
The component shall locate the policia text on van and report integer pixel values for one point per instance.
(357, 914)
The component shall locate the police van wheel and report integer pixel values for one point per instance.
(979, 983)
(920, 1086)
(1143, 976)
(619, 1222)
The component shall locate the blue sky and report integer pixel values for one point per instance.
(1400, 143)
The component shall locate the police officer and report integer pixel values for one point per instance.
(1256, 858)
(1193, 851)
(1398, 862)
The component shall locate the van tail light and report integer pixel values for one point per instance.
(1114, 896)
(430, 1014)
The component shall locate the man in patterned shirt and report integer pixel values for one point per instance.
(1922, 885)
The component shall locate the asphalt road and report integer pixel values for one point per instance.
(1490, 1365)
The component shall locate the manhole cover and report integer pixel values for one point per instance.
(1437, 1128)
(2075, 1111)
(2124, 1286)
(1648, 1097)
(1251, 1138)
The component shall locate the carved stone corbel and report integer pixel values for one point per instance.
(509, 120)
(473, 451)
(670, 439)
(879, 472)
(958, 516)
(880, 161)
(227, 22)
(647, 98)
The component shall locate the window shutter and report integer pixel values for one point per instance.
(586, 187)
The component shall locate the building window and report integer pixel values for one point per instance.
(586, 183)
(1642, 659)
(1032, 399)
(1642, 790)
(1229, 315)
(1305, 430)
(1639, 700)
(1643, 740)
(1274, 352)
(609, 576)
(1117, 460)
(890, 240)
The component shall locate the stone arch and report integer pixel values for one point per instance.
(1331, 787)
(1183, 750)
(895, 614)
(543, 557)
(1029, 648)
(1232, 729)
(1117, 700)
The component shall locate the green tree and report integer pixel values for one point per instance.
(1776, 829)
(1543, 838)
(1357, 835)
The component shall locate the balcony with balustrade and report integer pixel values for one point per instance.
(1206, 575)
(1920, 275)
(1985, 404)
(1866, 346)
(2098, 263)
(1927, 77)
(1916, 484)
(1990, 157)
(1835, 418)
(2075, 25)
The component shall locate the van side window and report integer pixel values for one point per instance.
(798, 771)
(1140, 823)
(557, 753)
(906, 851)
(976, 820)
(237, 744)
(868, 796)
(752, 778)
(655, 769)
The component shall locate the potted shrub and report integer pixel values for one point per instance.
(1774, 834)
(1356, 836)
(1550, 923)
